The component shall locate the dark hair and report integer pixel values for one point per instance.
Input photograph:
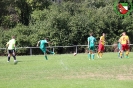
(13, 36)
(46, 38)
(91, 34)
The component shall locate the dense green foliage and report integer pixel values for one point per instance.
(68, 22)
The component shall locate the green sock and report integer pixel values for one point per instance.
(46, 58)
(89, 56)
(123, 54)
(126, 56)
(51, 52)
(92, 56)
(118, 54)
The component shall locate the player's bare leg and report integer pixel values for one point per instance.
(98, 54)
(50, 52)
(101, 54)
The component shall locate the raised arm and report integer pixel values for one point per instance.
(38, 43)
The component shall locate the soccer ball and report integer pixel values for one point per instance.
(74, 54)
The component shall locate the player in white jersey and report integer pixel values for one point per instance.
(11, 44)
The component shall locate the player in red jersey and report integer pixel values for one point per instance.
(124, 40)
(101, 45)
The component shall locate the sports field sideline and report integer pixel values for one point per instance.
(67, 71)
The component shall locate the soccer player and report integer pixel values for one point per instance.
(124, 40)
(91, 46)
(43, 47)
(11, 49)
(101, 46)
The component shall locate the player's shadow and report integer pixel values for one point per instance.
(17, 62)
(20, 61)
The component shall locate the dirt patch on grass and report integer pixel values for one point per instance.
(93, 76)
(125, 77)
(98, 76)
(118, 72)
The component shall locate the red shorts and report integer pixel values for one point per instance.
(124, 46)
(100, 47)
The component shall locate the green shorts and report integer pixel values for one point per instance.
(43, 50)
(92, 48)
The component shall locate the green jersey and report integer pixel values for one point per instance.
(91, 41)
(11, 44)
(43, 43)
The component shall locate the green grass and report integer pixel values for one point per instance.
(67, 71)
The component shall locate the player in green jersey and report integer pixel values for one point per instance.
(91, 46)
(11, 44)
(43, 47)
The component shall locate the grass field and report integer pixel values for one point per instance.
(67, 71)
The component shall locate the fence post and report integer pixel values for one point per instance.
(53, 49)
(30, 51)
(76, 49)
